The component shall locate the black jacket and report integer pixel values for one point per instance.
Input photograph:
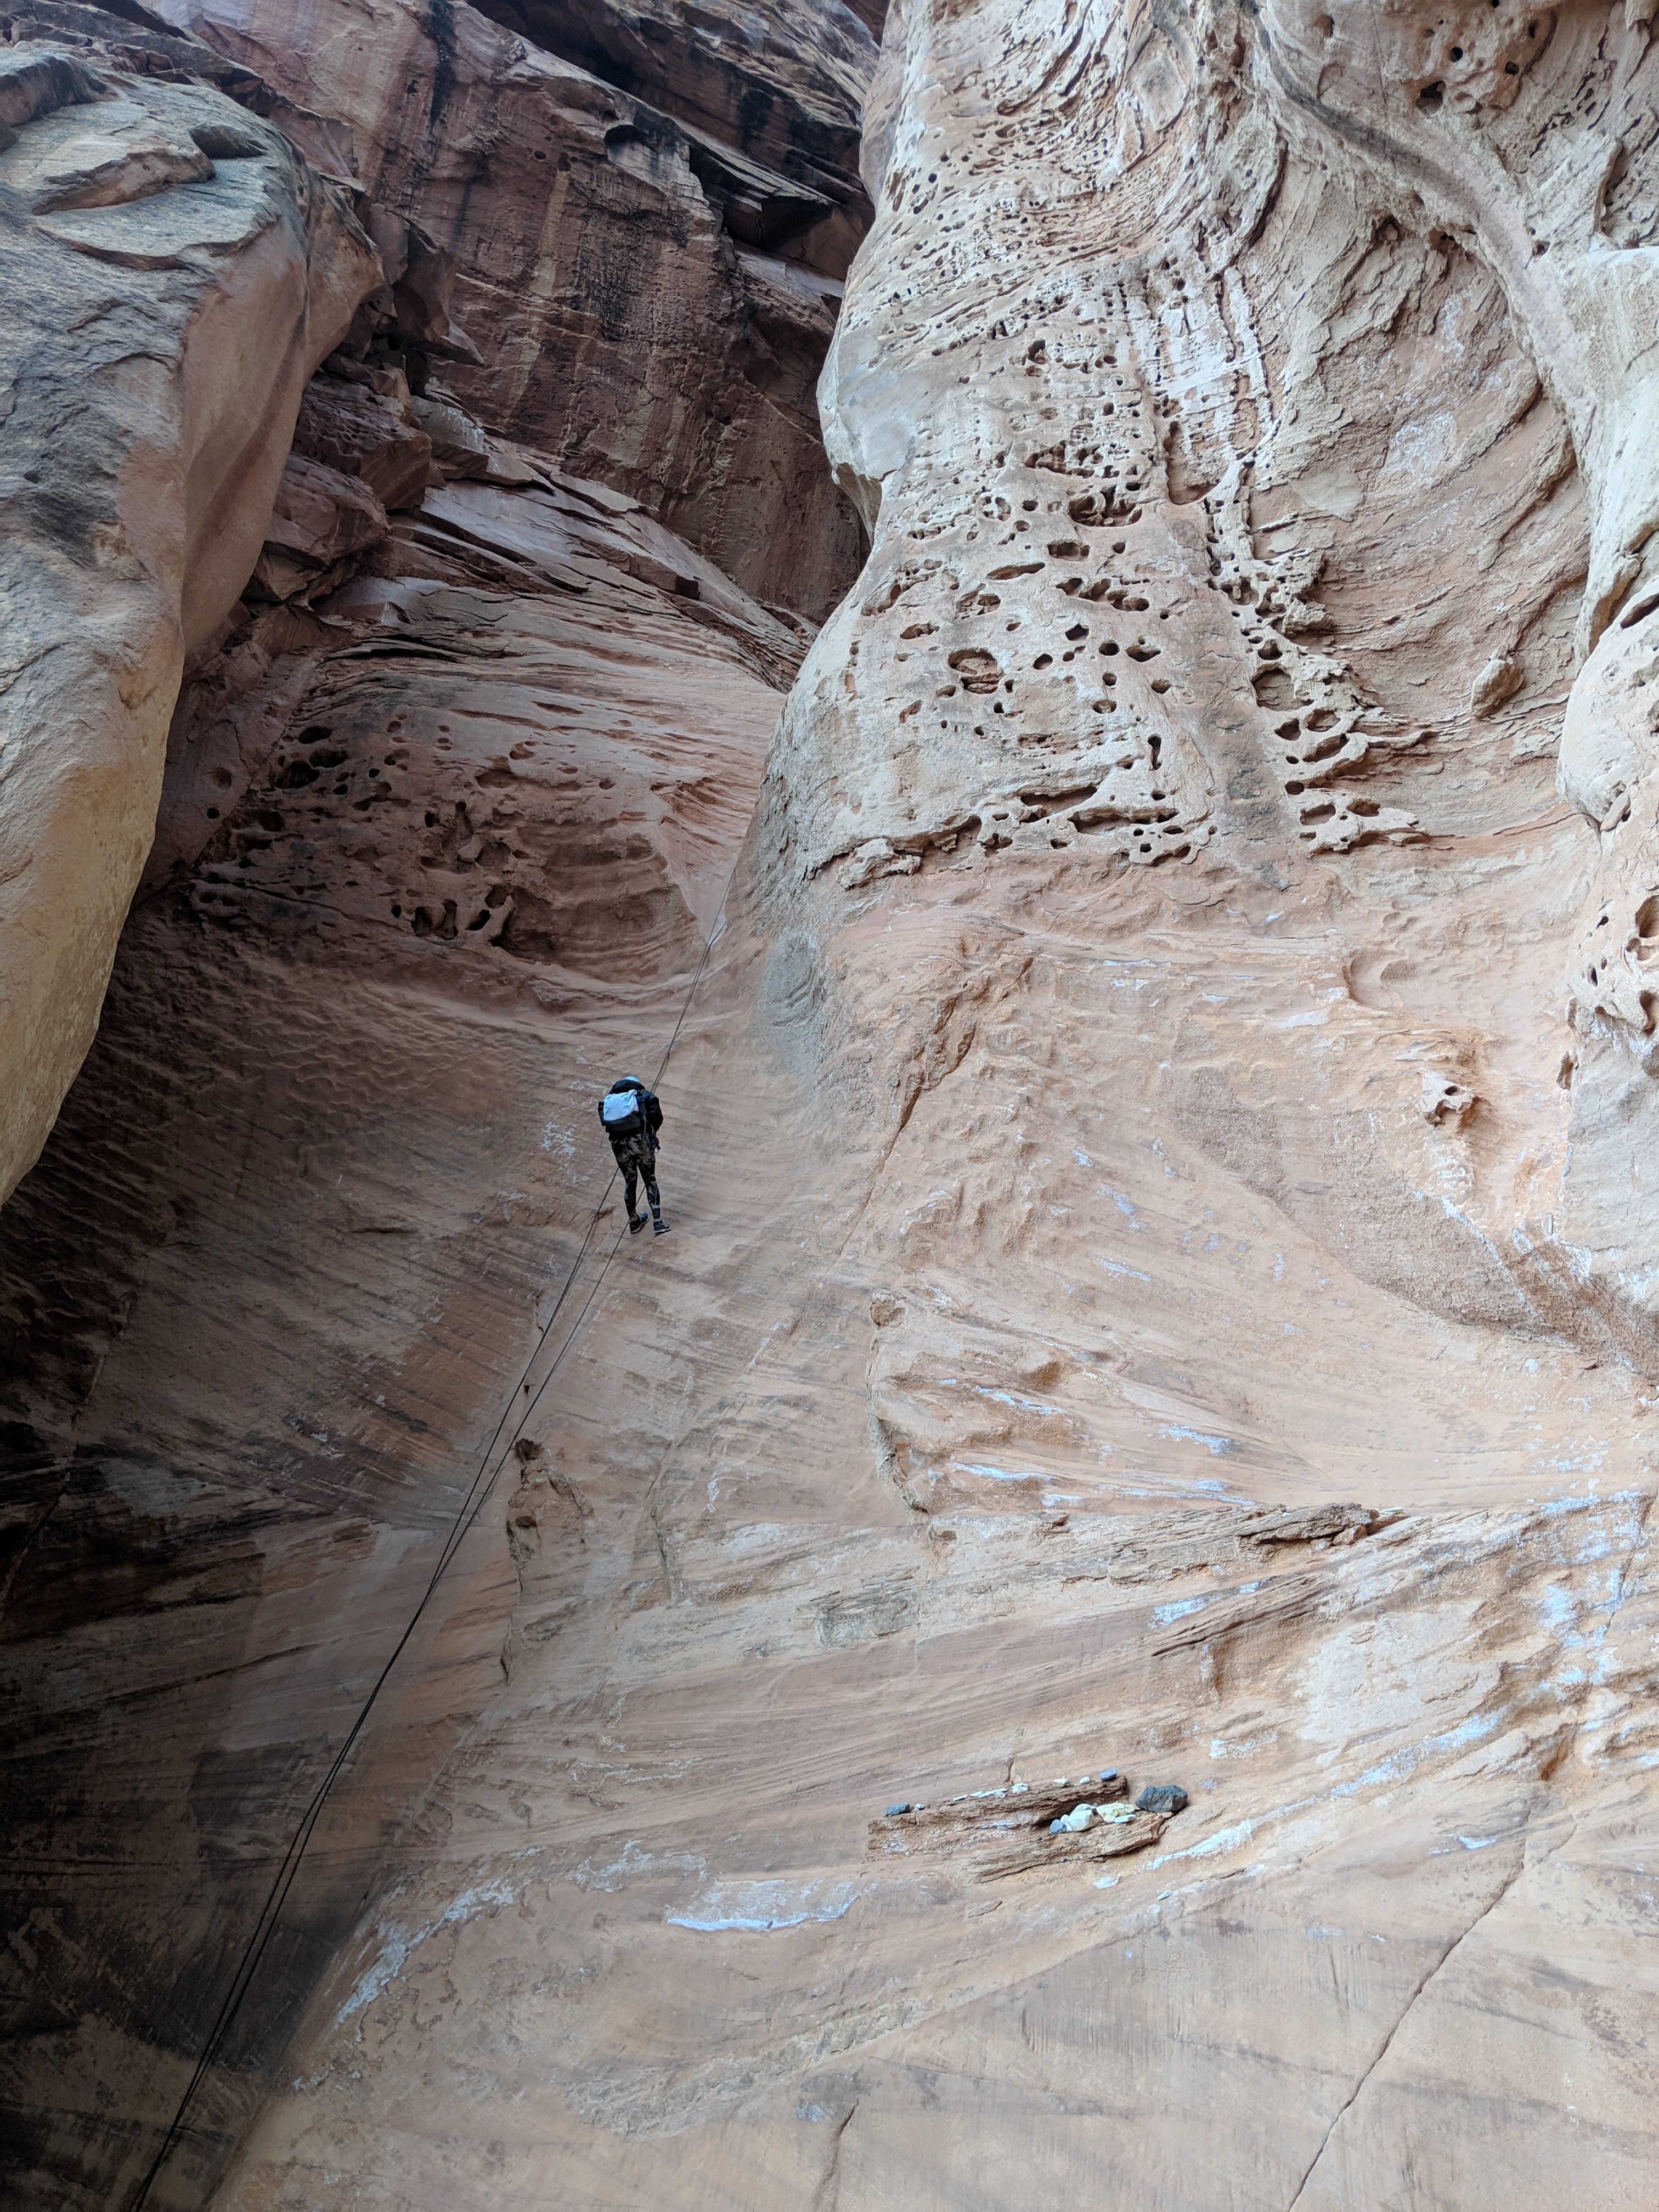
(646, 1115)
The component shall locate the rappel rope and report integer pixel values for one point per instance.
(271, 1911)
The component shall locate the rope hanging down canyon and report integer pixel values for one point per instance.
(471, 1505)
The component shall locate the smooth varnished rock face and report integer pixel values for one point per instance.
(172, 275)
(1083, 1627)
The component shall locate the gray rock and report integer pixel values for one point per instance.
(1161, 1797)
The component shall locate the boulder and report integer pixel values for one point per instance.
(459, 447)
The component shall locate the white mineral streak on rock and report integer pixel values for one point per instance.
(163, 309)
(761, 1907)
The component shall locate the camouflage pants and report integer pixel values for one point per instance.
(636, 1157)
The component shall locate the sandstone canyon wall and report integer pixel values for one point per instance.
(654, 295)
(1158, 1124)
(656, 303)
(173, 273)
(482, 737)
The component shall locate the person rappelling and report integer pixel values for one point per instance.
(631, 1116)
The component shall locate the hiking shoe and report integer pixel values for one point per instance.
(636, 1223)
(660, 1226)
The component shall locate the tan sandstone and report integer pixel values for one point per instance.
(1141, 1049)
(173, 276)
(1160, 1275)
(654, 298)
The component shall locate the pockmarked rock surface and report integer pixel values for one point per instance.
(173, 272)
(652, 256)
(432, 847)
(1159, 1300)
(1249, 533)
(1161, 1326)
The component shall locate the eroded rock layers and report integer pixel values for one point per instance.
(174, 272)
(420, 852)
(1088, 1621)
(652, 256)
(478, 738)
(656, 304)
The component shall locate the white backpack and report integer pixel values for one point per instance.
(619, 1106)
